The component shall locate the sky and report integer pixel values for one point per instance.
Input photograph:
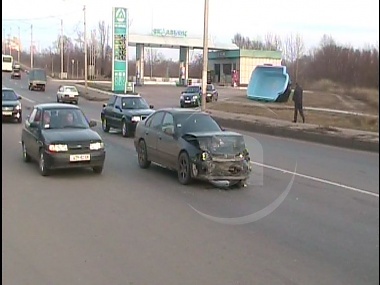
(354, 23)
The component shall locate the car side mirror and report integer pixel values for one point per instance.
(19, 97)
(104, 105)
(151, 106)
(183, 92)
(169, 131)
(34, 125)
(92, 124)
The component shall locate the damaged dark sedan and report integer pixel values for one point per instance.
(194, 145)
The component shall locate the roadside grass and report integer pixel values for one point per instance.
(322, 119)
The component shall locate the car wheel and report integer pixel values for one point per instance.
(98, 169)
(19, 120)
(25, 155)
(124, 129)
(184, 175)
(142, 155)
(105, 126)
(182, 106)
(58, 101)
(44, 170)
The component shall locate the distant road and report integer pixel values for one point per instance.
(134, 226)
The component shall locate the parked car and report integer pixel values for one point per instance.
(194, 145)
(124, 111)
(67, 94)
(11, 105)
(59, 136)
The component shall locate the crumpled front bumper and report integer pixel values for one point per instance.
(218, 169)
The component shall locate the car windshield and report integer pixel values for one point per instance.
(210, 88)
(9, 95)
(15, 69)
(7, 59)
(189, 123)
(64, 119)
(134, 103)
(70, 89)
(193, 89)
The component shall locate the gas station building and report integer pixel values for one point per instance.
(236, 66)
(227, 64)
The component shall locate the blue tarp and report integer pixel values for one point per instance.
(269, 83)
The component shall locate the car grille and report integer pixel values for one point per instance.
(78, 146)
(8, 108)
(188, 97)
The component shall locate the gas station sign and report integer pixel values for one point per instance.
(169, 33)
(120, 33)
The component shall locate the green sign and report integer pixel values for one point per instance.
(169, 33)
(119, 49)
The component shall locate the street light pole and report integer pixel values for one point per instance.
(205, 56)
(85, 49)
(31, 46)
(61, 44)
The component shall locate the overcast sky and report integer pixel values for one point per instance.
(348, 22)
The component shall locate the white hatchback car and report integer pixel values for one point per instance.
(67, 94)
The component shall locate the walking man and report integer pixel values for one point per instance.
(297, 98)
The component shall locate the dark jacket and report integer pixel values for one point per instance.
(297, 95)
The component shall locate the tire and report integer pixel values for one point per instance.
(142, 155)
(58, 101)
(124, 129)
(29, 88)
(19, 120)
(25, 155)
(105, 126)
(97, 169)
(44, 170)
(184, 169)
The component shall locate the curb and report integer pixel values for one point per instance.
(304, 135)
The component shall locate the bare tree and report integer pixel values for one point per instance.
(272, 42)
(102, 44)
(294, 49)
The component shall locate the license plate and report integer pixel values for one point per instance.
(187, 101)
(80, 157)
(7, 113)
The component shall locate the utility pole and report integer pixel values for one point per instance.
(85, 49)
(31, 46)
(61, 42)
(9, 41)
(205, 56)
(19, 45)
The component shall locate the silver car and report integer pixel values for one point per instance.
(67, 94)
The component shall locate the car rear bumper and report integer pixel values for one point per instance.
(62, 160)
(69, 99)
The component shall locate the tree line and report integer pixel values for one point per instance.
(346, 65)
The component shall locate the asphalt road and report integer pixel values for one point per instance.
(133, 226)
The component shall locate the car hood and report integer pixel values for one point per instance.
(138, 112)
(190, 93)
(70, 135)
(10, 103)
(217, 143)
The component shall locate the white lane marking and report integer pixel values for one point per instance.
(325, 181)
(318, 179)
(27, 99)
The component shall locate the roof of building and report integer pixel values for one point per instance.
(176, 42)
(245, 53)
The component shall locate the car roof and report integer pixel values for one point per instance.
(128, 95)
(7, 89)
(68, 86)
(56, 106)
(178, 111)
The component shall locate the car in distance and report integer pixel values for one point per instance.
(11, 105)
(191, 97)
(194, 145)
(67, 94)
(124, 111)
(59, 136)
(211, 93)
(16, 71)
